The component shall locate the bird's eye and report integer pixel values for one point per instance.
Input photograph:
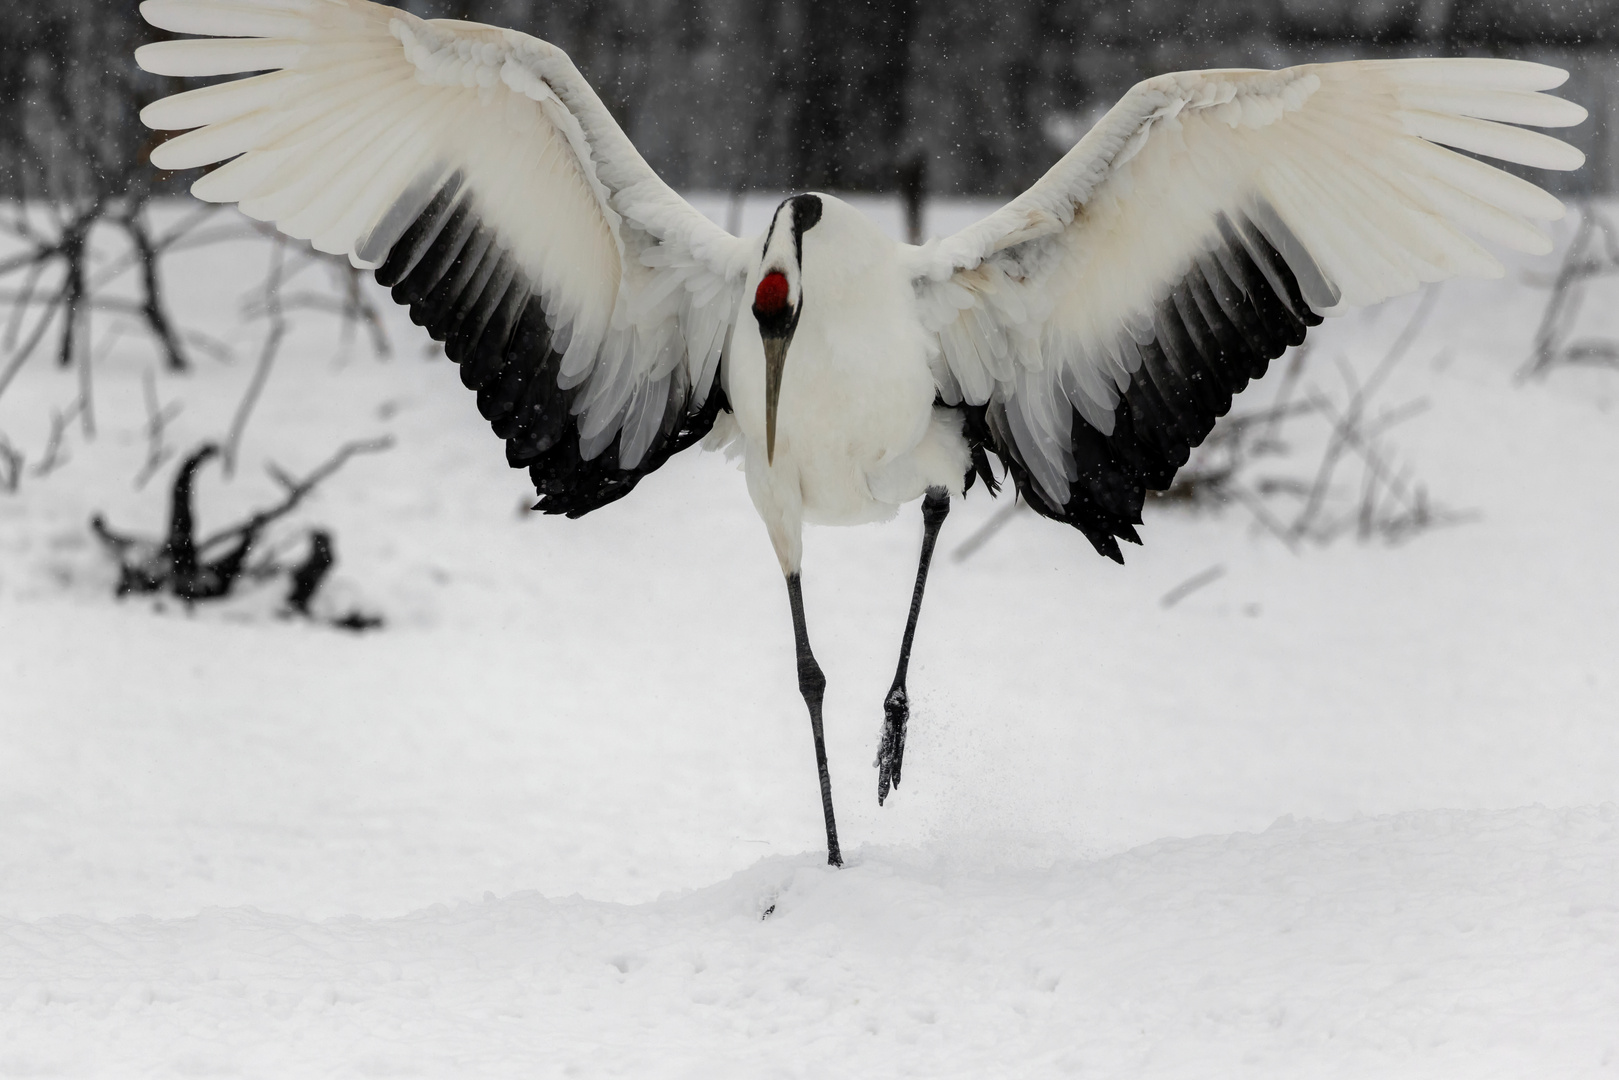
(771, 296)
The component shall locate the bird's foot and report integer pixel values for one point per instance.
(891, 752)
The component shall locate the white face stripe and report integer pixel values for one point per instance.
(796, 216)
(779, 255)
(779, 240)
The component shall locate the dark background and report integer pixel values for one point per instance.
(835, 94)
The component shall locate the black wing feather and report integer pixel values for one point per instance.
(460, 282)
(1235, 310)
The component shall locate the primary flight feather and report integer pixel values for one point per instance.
(1086, 335)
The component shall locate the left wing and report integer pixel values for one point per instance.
(475, 170)
(1094, 327)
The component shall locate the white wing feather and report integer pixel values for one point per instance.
(1042, 305)
(368, 109)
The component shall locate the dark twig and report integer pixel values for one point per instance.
(1406, 338)
(1191, 585)
(1593, 252)
(209, 344)
(157, 317)
(1270, 441)
(55, 453)
(209, 569)
(21, 356)
(1346, 427)
(986, 532)
(40, 254)
(90, 302)
(267, 355)
(11, 466)
(72, 250)
(1263, 517)
(1359, 437)
(158, 418)
(1234, 425)
(296, 490)
(353, 306)
(1209, 478)
(87, 364)
(176, 238)
(307, 576)
(19, 306)
(358, 308)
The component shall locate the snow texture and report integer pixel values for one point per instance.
(1338, 814)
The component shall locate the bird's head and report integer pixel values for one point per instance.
(778, 298)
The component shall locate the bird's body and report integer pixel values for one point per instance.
(857, 434)
(1086, 336)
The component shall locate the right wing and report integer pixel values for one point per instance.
(1094, 327)
(478, 174)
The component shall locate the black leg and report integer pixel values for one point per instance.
(897, 706)
(812, 684)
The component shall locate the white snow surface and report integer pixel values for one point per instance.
(1342, 813)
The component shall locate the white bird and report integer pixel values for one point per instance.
(1086, 335)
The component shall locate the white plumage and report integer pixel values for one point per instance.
(1087, 334)
(373, 109)
(1040, 302)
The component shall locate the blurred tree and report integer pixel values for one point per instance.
(850, 111)
(734, 94)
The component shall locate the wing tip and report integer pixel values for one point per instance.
(1478, 72)
(152, 116)
(146, 57)
(1555, 76)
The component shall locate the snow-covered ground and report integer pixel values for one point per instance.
(1345, 812)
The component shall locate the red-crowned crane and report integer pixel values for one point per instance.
(1086, 335)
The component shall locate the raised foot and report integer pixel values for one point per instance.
(891, 751)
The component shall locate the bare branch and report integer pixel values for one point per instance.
(158, 418)
(21, 356)
(1256, 506)
(41, 254)
(72, 251)
(267, 355)
(1593, 252)
(1191, 585)
(1356, 437)
(297, 491)
(357, 308)
(209, 344)
(998, 521)
(152, 309)
(116, 542)
(11, 466)
(1406, 338)
(162, 244)
(1398, 415)
(1270, 441)
(1233, 425)
(55, 454)
(1346, 429)
(1592, 353)
(20, 304)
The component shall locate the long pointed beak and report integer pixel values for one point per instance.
(775, 363)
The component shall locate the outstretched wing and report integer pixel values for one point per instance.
(474, 169)
(1095, 327)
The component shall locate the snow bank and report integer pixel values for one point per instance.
(237, 845)
(1439, 944)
